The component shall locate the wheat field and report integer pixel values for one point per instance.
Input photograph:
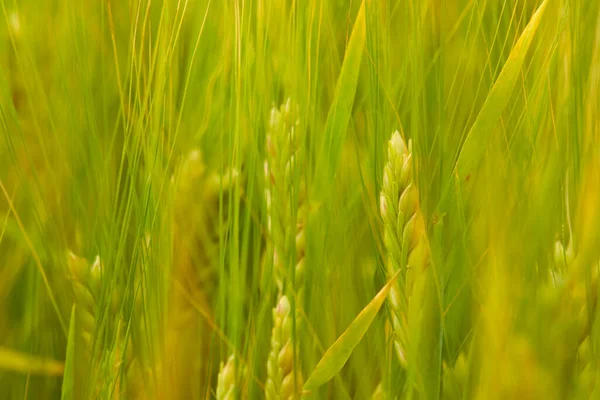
(319, 199)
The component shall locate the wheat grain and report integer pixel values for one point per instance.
(282, 382)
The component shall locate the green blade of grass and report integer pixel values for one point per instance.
(338, 116)
(68, 382)
(336, 356)
(11, 360)
(35, 256)
(474, 145)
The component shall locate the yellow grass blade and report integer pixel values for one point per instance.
(12, 360)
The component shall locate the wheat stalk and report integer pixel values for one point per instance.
(284, 194)
(284, 197)
(404, 235)
(197, 230)
(86, 281)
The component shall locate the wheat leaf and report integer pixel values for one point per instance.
(336, 356)
(496, 101)
(338, 116)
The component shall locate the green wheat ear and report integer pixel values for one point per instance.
(563, 256)
(404, 236)
(378, 393)
(455, 378)
(284, 192)
(197, 230)
(226, 380)
(286, 208)
(86, 281)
